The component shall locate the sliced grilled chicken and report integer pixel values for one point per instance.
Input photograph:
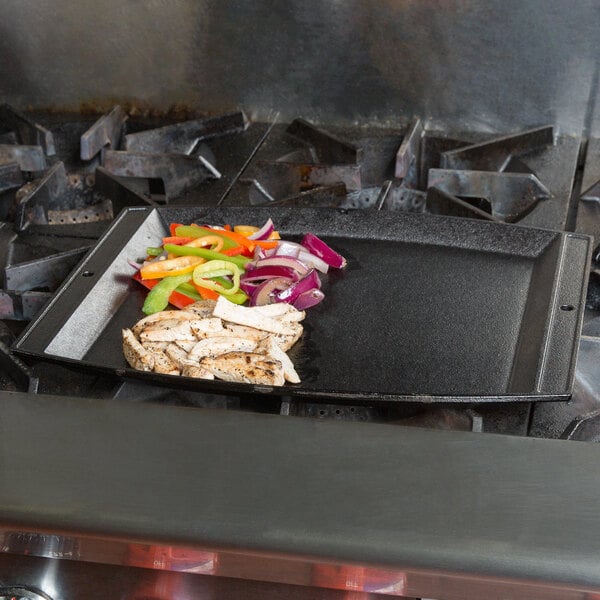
(282, 311)
(164, 315)
(196, 371)
(201, 308)
(246, 315)
(163, 364)
(250, 333)
(287, 341)
(245, 367)
(187, 345)
(206, 327)
(178, 355)
(155, 346)
(136, 355)
(167, 331)
(272, 349)
(220, 345)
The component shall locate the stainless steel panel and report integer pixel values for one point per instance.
(499, 65)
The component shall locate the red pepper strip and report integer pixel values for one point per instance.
(206, 293)
(176, 239)
(177, 299)
(233, 251)
(227, 227)
(173, 227)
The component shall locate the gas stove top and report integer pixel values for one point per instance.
(63, 179)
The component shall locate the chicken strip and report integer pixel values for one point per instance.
(272, 349)
(207, 327)
(163, 364)
(178, 355)
(163, 315)
(136, 355)
(155, 346)
(281, 311)
(245, 367)
(168, 331)
(246, 315)
(287, 341)
(201, 308)
(220, 345)
(241, 331)
(196, 371)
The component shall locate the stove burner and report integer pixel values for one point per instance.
(106, 131)
(27, 132)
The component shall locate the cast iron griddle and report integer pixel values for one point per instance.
(429, 308)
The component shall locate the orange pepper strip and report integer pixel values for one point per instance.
(173, 266)
(236, 237)
(175, 239)
(206, 293)
(214, 241)
(227, 227)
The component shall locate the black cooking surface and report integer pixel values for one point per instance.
(429, 308)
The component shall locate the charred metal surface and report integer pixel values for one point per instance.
(117, 191)
(32, 208)
(329, 148)
(283, 179)
(45, 274)
(181, 138)
(16, 370)
(511, 195)
(29, 158)
(365, 198)
(22, 305)
(495, 154)
(329, 196)
(28, 133)
(440, 202)
(590, 184)
(433, 145)
(106, 131)
(101, 211)
(407, 158)
(10, 176)
(178, 172)
(405, 199)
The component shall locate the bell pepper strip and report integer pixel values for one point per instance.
(154, 251)
(194, 231)
(173, 227)
(177, 298)
(245, 230)
(240, 261)
(189, 290)
(205, 293)
(240, 297)
(170, 267)
(214, 241)
(204, 273)
(160, 295)
(174, 239)
(233, 251)
(227, 227)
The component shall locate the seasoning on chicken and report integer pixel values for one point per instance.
(245, 367)
(230, 342)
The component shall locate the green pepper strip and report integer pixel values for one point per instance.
(197, 232)
(187, 289)
(239, 297)
(153, 251)
(158, 297)
(239, 261)
(216, 268)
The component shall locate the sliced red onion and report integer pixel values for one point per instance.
(312, 261)
(249, 287)
(308, 299)
(264, 293)
(260, 253)
(135, 265)
(264, 232)
(319, 248)
(282, 261)
(309, 282)
(285, 248)
(268, 272)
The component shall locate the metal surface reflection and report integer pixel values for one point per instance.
(358, 582)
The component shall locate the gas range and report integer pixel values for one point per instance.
(66, 177)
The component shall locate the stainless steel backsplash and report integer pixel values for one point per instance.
(492, 65)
